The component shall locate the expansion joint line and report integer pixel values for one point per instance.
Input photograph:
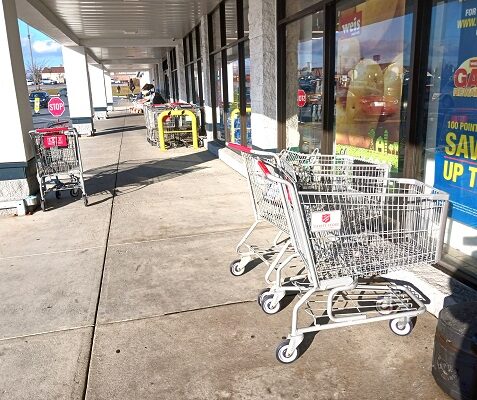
(93, 335)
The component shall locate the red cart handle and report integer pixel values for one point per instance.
(239, 147)
(263, 167)
(52, 130)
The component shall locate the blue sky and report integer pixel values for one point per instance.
(44, 48)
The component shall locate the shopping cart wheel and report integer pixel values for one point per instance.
(267, 305)
(57, 194)
(236, 269)
(281, 353)
(260, 296)
(85, 201)
(74, 192)
(42, 205)
(401, 327)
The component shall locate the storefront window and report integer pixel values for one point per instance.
(293, 6)
(451, 136)
(247, 93)
(245, 18)
(304, 77)
(219, 103)
(233, 87)
(231, 21)
(372, 77)
(217, 44)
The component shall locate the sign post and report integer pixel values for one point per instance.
(36, 107)
(56, 107)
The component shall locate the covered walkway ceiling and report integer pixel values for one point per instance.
(121, 34)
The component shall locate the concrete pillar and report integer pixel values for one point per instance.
(263, 73)
(98, 91)
(204, 53)
(109, 91)
(181, 72)
(17, 164)
(144, 78)
(79, 90)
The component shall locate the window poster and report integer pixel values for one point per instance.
(456, 133)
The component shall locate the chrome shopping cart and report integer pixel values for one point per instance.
(151, 112)
(58, 162)
(346, 239)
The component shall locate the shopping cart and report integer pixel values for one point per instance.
(151, 112)
(58, 162)
(347, 238)
(178, 126)
(266, 207)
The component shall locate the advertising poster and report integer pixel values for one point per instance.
(372, 64)
(456, 136)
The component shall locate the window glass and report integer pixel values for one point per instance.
(372, 78)
(193, 44)
(195, 84)
(293, 6)
(231, 21)
(247, 92)
(219, 103)
(185, 44)
(245, 18)
(233, 87)
(451, 136)
(187, 82)
(197, 43)
(304, 66)
(216, 29)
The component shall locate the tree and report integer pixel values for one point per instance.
(34, 69)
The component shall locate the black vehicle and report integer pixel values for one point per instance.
(43, 96)
(63, 92)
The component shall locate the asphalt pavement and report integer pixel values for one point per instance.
(44, 118)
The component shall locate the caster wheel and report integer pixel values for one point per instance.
(85, 200)
(261, 294)
(400, 327)
(42, 205)
(281, 353)
(384, 305)
(74, 192)
(267, 305)
(57, 194)
(236, 269)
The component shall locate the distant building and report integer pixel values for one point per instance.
(54, 73)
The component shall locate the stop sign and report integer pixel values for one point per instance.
(56, 107)
(300, 98)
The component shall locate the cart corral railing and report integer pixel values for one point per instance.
(177, 126)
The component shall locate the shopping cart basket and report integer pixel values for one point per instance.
(151, 112)
(344, 238)
(58, 162)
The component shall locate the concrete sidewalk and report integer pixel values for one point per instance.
(131, 298)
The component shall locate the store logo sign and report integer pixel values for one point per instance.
(350, 24)
(465, 79)
(326, 221)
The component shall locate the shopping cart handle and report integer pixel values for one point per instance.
(52, 130)
(239, 147)
(263, 167)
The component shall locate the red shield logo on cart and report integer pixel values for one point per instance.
(326, 218)
(55, 141)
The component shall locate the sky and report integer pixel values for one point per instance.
(44, 48)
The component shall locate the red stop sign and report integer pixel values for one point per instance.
(300, 98)
(56, 107)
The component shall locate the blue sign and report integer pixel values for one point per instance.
(456, 141)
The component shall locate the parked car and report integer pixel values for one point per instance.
(43, 96)
(48, 82)
(63, 92)
(29, 82)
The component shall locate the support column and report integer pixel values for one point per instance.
(109, 91)
(263, 73)
(17, 164)
(145, 78)
(79, 89)
(204, 54)
(98, 91)
(181, 72)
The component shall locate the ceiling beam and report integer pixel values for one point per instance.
(130, 61)
(128, 42)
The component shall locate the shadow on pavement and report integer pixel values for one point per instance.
(119, 130)
(130, 176)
